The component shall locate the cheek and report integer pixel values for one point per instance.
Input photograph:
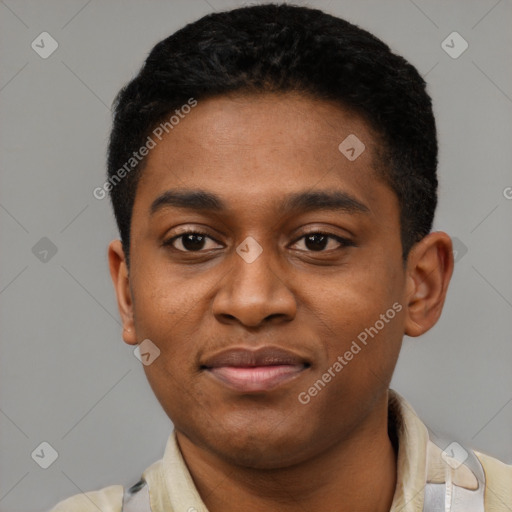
(175, 390)
(165, 300)
(354, 298)
(361, 320)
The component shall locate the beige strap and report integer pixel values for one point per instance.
(136, 498)
(463, 485)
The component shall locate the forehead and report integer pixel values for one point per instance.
(258, 148)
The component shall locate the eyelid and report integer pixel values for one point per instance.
(343, 241)
(176, 236)
(190, 228)
(325, 231)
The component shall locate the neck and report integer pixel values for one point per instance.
(356, 473)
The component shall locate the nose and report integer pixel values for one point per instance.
(253, 293)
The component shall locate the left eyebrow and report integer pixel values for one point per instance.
(324, 200)
(296, 202)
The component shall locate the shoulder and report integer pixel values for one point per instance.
(498, 476)
(108, 499)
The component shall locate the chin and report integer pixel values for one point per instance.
(261, 456)
(259, 447)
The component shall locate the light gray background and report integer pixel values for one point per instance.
(68, 379)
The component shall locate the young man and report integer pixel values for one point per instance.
(273, 175)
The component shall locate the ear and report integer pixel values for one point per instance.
(429, 269)
(121, 281)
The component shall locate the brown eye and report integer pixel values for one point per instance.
(190, 242)
(318, 242)
(193, 241)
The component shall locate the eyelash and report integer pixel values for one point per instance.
(344, 242)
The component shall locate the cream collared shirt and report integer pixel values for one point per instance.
(419, 460)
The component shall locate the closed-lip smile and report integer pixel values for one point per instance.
(255, 370)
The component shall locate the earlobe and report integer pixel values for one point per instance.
(429, 270)
(121, 281)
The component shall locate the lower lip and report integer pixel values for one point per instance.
(258, 378)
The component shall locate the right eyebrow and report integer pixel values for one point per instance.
(191, 199)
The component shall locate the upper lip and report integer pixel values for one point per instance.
(243, 357)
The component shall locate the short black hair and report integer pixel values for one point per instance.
(283, 48)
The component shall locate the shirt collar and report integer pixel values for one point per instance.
(413, 438)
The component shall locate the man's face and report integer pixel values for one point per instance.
(311, 296)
